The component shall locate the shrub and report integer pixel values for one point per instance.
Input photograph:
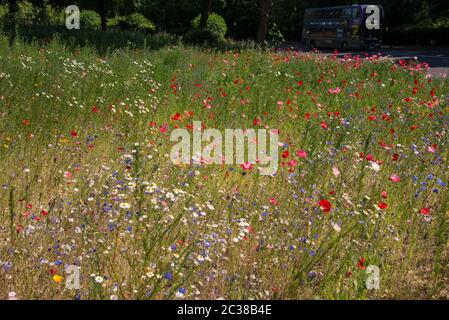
(26, 13)
(215, 24)
(113, 22)
(417, 36)
(198, 36)
(89, 18)
(3, 11)
(136, 22)
(275, 36)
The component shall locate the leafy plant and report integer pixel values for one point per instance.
(89, 18)
(216, 24)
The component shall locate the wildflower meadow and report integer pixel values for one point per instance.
(93, 207)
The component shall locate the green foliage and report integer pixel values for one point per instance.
(215, 24)
(275, 36)
(89, 18)
(3, 11)
(103, 42)
(136, 22)
(199, 36)
(236, 18)
(26, 13)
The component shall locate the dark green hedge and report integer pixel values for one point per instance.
(417, 36)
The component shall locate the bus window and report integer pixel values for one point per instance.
(347, 13)
(355, 13)
(338, 14)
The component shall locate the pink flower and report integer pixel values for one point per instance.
(247, 166)
(337, 90)
(302, 154)
(395, 178)
(335, 171)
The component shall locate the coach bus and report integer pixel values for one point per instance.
(341, 27)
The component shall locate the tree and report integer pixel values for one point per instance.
(264, 17)
(207, 6)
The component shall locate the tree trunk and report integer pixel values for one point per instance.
(207, 6)
(102, 11)
(262, 29)
(103, 22)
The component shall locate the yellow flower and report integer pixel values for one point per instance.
(57, 278)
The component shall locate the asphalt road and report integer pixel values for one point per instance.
(436, 57)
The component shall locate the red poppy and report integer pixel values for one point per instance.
(325, 206)
(176, 117)
(285, 154)
(361, 263)
(425, 211)
(44, 213)
(26, 122)
(257, 121)
(74, 134)
(382, 206)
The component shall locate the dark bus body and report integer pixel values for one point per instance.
(340, 27)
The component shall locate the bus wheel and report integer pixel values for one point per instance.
(344, 46)
(312, 45)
